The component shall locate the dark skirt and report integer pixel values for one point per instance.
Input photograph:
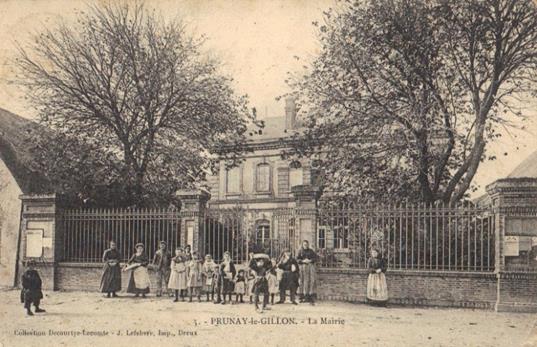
(111, 279)
(227, 286)
(289, 281)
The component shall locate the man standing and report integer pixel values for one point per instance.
(307, 259)
(289, 280)
(161, 262)
(31, 288)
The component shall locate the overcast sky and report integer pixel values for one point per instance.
(256, 39)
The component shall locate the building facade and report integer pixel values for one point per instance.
(261, 185)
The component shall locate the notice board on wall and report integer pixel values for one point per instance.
(34, 243)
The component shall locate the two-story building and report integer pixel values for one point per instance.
(260, 186)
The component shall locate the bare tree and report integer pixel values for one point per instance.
(137, 89)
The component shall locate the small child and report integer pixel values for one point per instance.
(178, 276)
(240, 286)
(217, 284)
(250, 286)
(31, 289)
(194, 276)
(273, 282)
(208, 278)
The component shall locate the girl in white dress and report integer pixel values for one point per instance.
(178, 279)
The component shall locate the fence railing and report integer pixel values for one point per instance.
(87, 232)
(411, 237)
(418, 237)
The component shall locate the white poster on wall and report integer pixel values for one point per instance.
(34, 243)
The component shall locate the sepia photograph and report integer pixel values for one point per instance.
(268, 173)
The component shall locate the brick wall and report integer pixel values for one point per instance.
(423, 288)
(87, 277)
(517, 292)
(418, 288)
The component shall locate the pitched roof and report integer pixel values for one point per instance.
(274, 128)
(528, 168)
(15, 152)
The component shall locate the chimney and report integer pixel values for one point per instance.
(290, 113)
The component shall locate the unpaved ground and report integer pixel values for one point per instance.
(88, 313)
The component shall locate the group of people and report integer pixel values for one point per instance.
(187, 275)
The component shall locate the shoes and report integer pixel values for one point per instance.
(39, 310)
(175, 300)
(29, 313)
(280, 302)
(294, 302)
(114, 295)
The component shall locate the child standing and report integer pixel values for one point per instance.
(194, 276)
(31, 288)
(178, 279)
(208, 280)
(240, 286)
(250, 286)
(273, 282)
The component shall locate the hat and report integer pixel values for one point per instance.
(227, 252)
(163, 243)
(139, 244)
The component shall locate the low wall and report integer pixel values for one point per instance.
(412, 287)
(87, 277)
(517, 292)
(486, 290)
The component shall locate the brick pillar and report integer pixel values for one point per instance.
(306, 197)
(514, 203)
(41, 238)
(193, 207)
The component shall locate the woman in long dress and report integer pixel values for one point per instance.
(178, 278)
(227, 272)
(139, 276)
(111, 278)
(377, 290)
(308, 274)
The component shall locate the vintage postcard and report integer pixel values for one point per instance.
(268, 173)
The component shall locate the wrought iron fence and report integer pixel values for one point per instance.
(413, 237)
(87, 232)
(236, 230)
(418, 237)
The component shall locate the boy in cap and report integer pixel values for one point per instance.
(31, 288)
